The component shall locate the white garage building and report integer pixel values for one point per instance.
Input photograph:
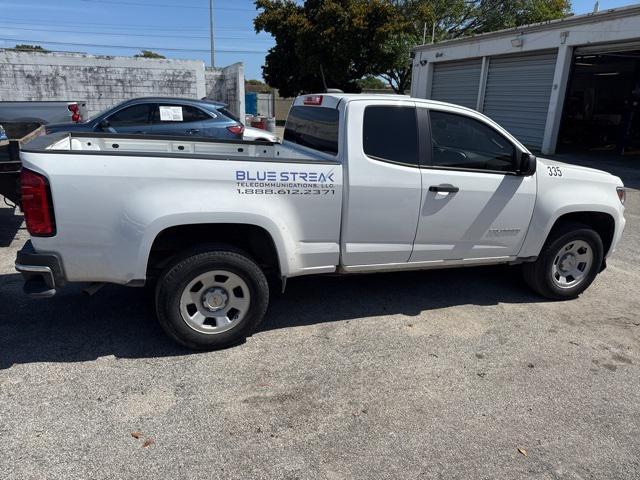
(578, 77)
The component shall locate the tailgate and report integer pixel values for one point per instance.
(19, 133)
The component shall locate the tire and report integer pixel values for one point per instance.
(568, 263)
(209, 299)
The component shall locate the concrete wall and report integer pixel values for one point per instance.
(103, 81)
(227, 85)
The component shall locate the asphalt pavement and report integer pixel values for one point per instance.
(458, 374)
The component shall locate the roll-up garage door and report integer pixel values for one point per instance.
(517, 94)
(457, 82)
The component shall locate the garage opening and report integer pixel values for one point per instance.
(602, 107)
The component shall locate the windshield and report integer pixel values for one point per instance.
(227, 113)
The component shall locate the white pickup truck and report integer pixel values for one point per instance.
(361, 183)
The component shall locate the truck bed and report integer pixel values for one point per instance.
(130, 189)
(160, 146)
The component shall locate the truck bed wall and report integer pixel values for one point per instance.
(110, 208)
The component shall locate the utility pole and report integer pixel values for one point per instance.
(212, 34)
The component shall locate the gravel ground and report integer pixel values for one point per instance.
(434, 375)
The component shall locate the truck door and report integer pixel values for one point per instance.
(474, 206)
(382, 201)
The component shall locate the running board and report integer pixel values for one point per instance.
(433, 264)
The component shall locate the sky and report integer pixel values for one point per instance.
(175, 28)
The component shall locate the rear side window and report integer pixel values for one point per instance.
(178, 113)
(313, 127)
(391, 134)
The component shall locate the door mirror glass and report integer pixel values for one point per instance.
(528, 163)
(104, 125)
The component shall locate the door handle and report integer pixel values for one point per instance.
(445, 187)
(193, 131)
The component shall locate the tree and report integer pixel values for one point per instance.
(449, 19)
(257, 86)
(354, 38)
(343, 39)
(371, 83)
(148, 54)
(23, 47)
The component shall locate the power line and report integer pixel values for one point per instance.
(123, 34)
(131, 47)
(115, 26)
(165, 5)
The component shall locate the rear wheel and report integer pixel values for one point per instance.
(568, 263)
(210, 299)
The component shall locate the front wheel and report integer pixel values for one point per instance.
(568, 263)
(211, 299)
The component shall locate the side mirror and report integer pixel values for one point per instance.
(104, 125)
(528, 163)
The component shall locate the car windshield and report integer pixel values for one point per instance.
(228, 114)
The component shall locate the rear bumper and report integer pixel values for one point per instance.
(42, 272)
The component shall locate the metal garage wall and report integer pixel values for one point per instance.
(517, 94)
(457, 82)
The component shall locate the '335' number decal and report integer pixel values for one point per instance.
(554, 171)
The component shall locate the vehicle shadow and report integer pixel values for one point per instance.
(120, 321)
(10, 223)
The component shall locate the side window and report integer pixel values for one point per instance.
(178, 114)
(134, 115)
(463, 142)
(391, 134)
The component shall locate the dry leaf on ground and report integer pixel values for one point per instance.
(148, 442)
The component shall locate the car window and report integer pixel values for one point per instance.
(390, 133)
(459, 141)
(134, 115)
(228, 114)
(166, 113)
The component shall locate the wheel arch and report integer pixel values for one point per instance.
(603, 223)
(262, 242)
(598, 217)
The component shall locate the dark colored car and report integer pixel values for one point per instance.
(161, 116)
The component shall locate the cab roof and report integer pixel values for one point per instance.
(332, 100)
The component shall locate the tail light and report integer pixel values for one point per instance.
(236, 129)
(36, 204)
(622, 194)
(74, 108)
(313, 100)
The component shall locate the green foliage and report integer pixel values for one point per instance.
(23, 47)
(371, 83)
(341, 37)
(148, 54)
(256, 86)
(355, 38)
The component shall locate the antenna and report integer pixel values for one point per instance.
(324, 82)
(596, 7)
